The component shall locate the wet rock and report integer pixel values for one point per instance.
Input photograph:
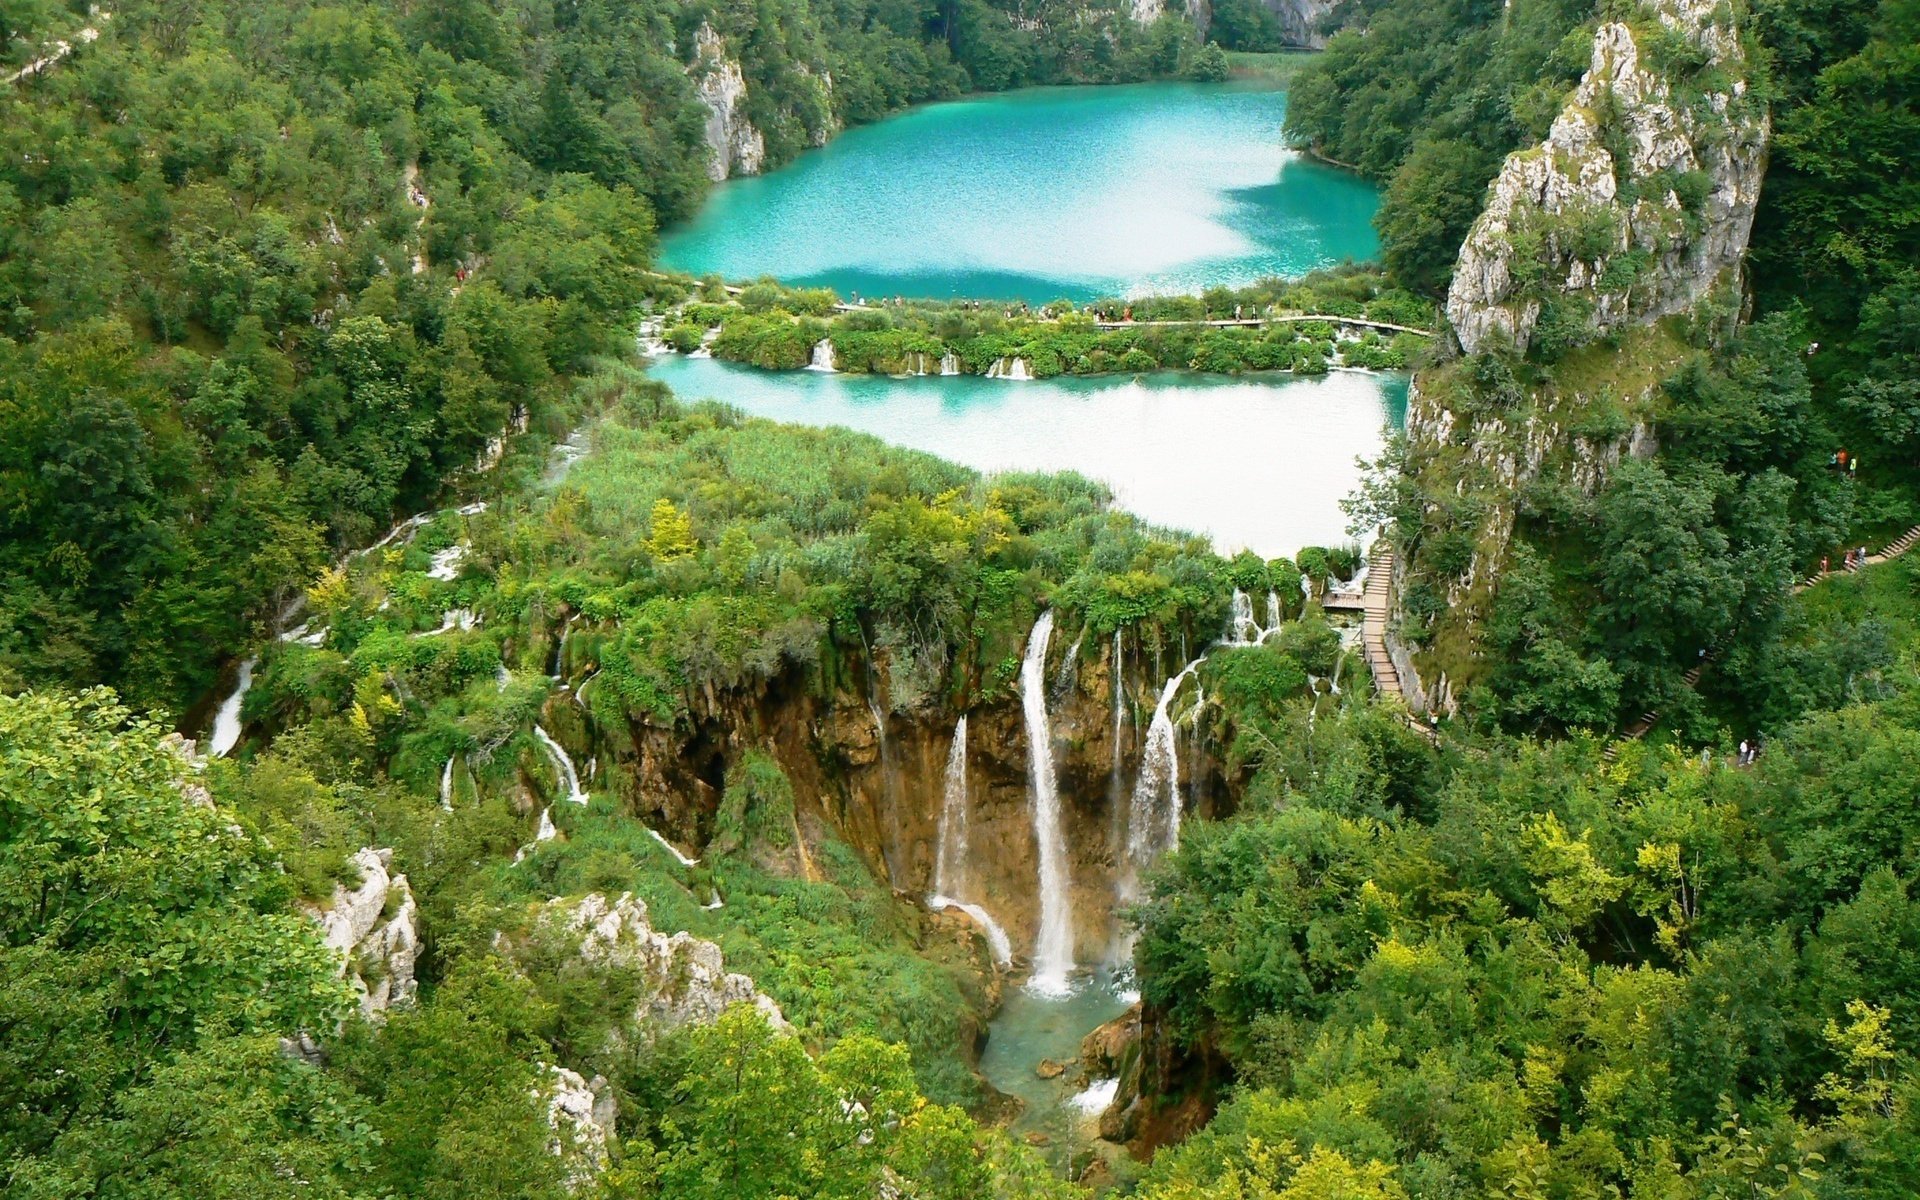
(1049, 1069)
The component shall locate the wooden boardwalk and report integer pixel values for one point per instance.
(1375, 603)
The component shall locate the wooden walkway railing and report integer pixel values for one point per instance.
(1375, 603)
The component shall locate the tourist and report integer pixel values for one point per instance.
(1743, 753)
(1824, 560)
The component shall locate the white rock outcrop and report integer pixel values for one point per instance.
(684, 979)
(1523, 248)
(373, 928)
(581, 1113)
(737, 147)
(1300, 20)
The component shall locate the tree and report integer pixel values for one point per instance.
(146, 949)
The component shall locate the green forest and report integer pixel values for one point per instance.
(550, 856)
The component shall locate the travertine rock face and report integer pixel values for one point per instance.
(581, 1113)
(373, 928)
(1636, 207)
(685, 978)
(1557, 222)
(1300, 20)
(738, 148)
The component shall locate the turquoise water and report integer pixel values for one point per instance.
(1042, 194)
(1029, 1028)
(1257, 462)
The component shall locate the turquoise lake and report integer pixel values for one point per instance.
(1258, 462)
(1042, 194)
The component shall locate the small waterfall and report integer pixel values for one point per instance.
(1273, 611)
(226, 722)
(545, 833)
(454, 618)
(949, 363)
(446, 563)
(446, 786)
(1064, 678)
(950, 858)
(562, 765)
(823, 356)
(1053, 949)
(1153, 824)
(1010, 367)
(672, 849)
(1242, 629)
(951, 854)
(997, 939)
(1019, 371)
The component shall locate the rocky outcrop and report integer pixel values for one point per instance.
(1636, 208)
(373, 929)
(737, 147)
(1640, 200)
(581, 1114)
(683, 979)
(1302, 21)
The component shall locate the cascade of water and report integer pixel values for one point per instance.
(544, 833)
(1019, 370)
(1063, 679)
(823, 356)
(453, 618)
(446, 786)
(562, 765)
(501, 677)
(1053, 949)
(1154, 823)
(949, 363)
(1273, 611)
(446, 563)
(1241, 629)
(951, 854)
(950, 877)
(226, 722)
(1117, 679)
(672, 849)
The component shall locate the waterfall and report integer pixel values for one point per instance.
(562, 765)
(1241, 629)
(1273, 611)
(446, 786)
(672, 849)
(545, 833)
(949, 363)
(1064, 678)
(226, 722)
(1053, 949)
(823, 356)
(1010, 367)
(1019, 370)
(1153, 825)
(997, 939)
(951, 854)
(446, 563)
(950, 859)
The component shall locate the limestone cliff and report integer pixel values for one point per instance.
(1641, 198)
(1302, 21)
(582, 1114)
(372, 927)
(1596, 262)
(737, 147)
